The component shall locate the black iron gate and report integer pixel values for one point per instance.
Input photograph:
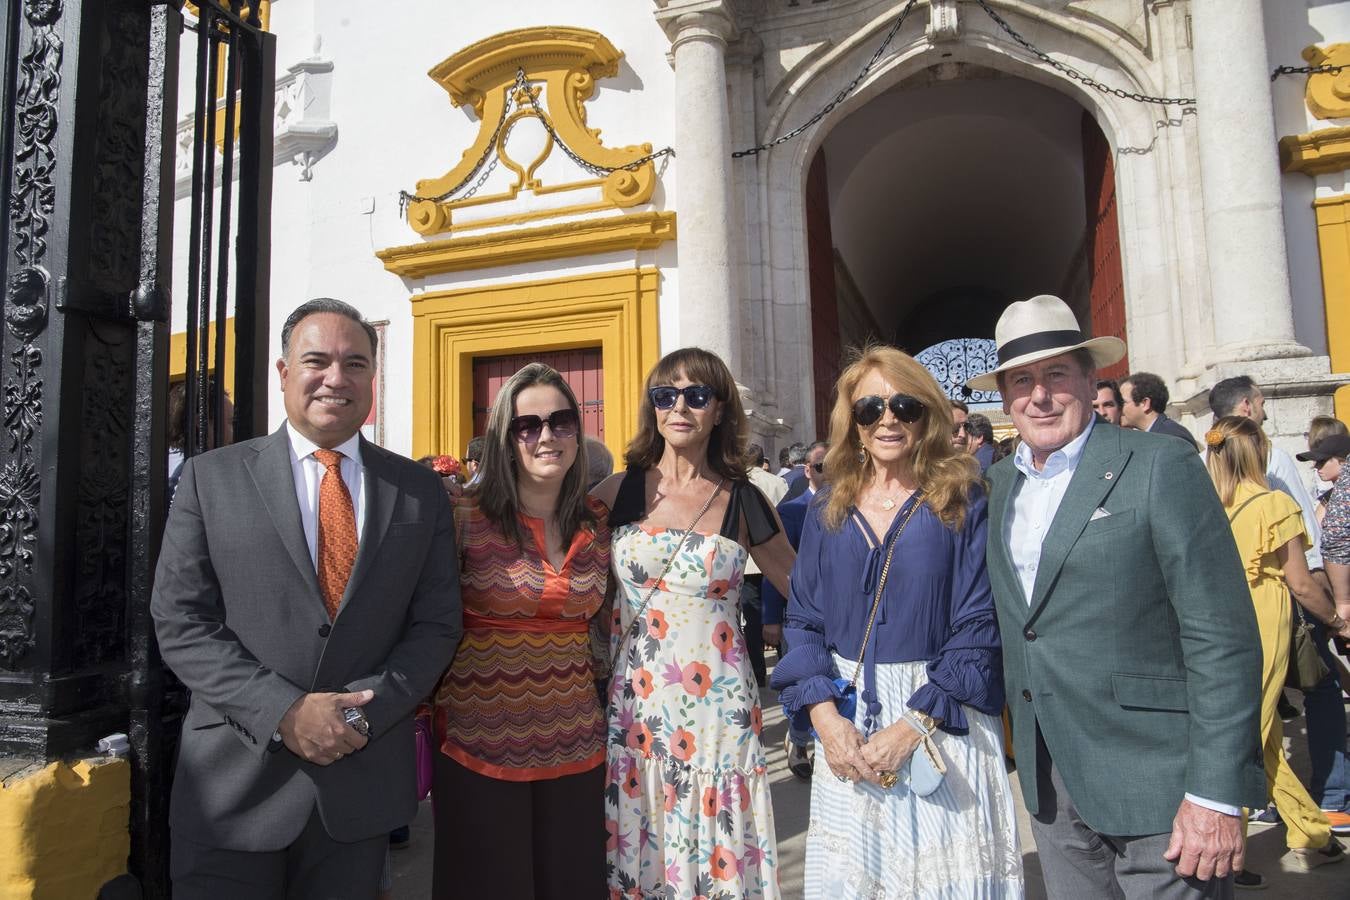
(88, 136)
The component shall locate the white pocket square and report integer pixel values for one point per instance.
(1099, 513)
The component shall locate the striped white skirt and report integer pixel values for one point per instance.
(867, 843)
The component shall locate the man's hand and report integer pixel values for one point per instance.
(1205, 844)
(773, 635)
(314, 729)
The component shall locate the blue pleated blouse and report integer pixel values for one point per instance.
(936, 608)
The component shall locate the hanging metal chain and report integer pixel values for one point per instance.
(1085, 80)
(588, 166)
(839, 97)
(521, 88)
(1306, 70)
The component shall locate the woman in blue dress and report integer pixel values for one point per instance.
(931, 662)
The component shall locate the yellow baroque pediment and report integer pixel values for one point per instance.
(1328, 93)
(560, 67)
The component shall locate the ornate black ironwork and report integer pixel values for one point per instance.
(32, 201)
(955, 362)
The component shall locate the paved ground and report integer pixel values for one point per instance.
(791, 802)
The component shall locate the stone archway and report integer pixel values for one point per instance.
(1159, 194)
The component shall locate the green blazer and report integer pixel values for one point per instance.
(1137, 654)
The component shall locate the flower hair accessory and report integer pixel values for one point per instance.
(1214, 439)
(445, 466)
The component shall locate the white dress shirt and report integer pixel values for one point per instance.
(1035, 501)
(307, 472)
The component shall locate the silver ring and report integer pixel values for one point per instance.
(844, 778)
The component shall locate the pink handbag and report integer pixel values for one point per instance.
(426, 746)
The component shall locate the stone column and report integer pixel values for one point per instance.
(1240, 180)
(709, 314)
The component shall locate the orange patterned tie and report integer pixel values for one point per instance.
(337, 531)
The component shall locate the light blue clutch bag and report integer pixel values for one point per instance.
(926, 767)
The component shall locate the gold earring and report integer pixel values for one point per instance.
(862, 454)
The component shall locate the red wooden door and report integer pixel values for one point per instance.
(1107, 293)
(825, 350)
(581, 368)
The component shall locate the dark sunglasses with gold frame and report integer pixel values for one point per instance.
(867, 411)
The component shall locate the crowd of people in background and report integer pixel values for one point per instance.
(571, 660)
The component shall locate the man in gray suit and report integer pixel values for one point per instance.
(1145, 398)
(1130, 647)
(308, 595)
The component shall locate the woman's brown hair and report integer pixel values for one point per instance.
(944, 474)
(496, 486)
(726, 446)
(1322, 427)
(1238, 450)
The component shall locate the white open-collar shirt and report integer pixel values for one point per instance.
(307, 472)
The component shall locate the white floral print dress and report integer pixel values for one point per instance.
(687, 796)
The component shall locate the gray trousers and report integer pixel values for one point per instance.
(315, 867)
(1078, 862)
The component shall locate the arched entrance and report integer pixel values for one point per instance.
(1043, 181)
(951, 195)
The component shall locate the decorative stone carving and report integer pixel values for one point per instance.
(1328, 93)
(568, 62)
(944, 21)
(302, 132)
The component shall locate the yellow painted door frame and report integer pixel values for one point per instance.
(616, 311)
(1333, 243)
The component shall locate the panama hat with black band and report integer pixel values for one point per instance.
(1036, 329)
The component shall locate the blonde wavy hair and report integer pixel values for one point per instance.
(1238, 451)
(944, 474)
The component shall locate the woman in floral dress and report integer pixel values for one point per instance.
(687, 796)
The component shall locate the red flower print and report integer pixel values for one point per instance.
(612, 828)
(724, 636)
(642, 683)
(756, 719)
(631, 786)
(743, 794)
(672, 795)
(718, 589)
(696, 679)
(640, 738)
(710, 802)
(724, 863)
(656, 624)
(682, 744)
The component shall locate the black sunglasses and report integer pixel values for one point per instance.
(867, 410)
(818, 468)
(564, 423)
(696, 396)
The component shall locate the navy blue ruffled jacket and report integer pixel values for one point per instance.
(936, 607)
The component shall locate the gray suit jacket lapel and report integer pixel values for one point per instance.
(1094, 478)
(271, 472)
(381, 489)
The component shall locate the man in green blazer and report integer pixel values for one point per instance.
(1130, 646)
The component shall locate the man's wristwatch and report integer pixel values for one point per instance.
(357, 719)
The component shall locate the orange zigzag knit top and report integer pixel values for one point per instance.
(519, 703)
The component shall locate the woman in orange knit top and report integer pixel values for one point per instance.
(519, 780)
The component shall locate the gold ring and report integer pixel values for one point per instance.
(889, 780)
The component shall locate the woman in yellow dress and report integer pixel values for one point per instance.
(1268, 528)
